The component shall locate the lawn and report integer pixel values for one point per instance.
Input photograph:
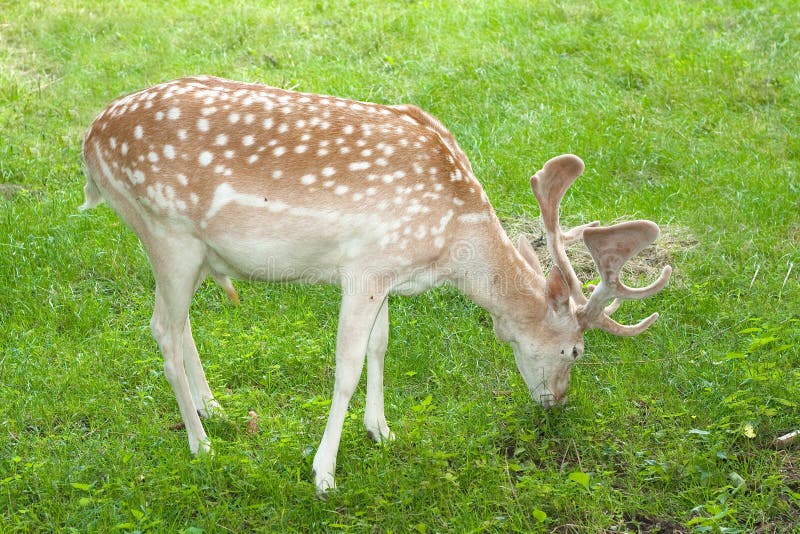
(685, 112)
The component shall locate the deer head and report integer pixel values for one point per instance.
(546, 348)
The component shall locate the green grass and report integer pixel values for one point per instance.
(685, 113)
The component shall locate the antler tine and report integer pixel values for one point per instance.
(549, 186)
(611, 308)
(607, 324)
(610, 248)
(576, 234)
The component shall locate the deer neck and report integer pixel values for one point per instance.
(494, 275)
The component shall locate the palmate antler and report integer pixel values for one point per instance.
(610, 248)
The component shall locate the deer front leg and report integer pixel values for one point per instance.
(374, 417)
(357, 316)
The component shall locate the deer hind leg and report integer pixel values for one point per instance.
(203, 399)
(176, 278)
(374, 416)
(357, 316)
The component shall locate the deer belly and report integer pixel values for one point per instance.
(273, 259)
(270, 238)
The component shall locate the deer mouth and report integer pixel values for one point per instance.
(548, 400)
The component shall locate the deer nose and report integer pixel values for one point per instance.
(549, 400)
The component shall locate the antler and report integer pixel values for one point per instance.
(610, 248)
(549, 186)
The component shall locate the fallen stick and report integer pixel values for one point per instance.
(787, 439)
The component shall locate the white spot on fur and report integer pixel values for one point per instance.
(221, 140)
(438, 230)
(173, 113)
(359, 166)
(202, 124)
(308, 179)
(248, 140)
(473, 218)
(169, 152)
(138, 132)
(328, 172)
(205, 158)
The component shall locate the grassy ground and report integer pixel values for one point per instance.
(685, 113)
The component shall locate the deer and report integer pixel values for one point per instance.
(246, 181)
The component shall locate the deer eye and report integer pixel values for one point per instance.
(575, 353)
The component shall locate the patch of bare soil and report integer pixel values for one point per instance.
(8, 190)
(653, 525)
(790, 469)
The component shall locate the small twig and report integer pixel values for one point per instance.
(511, 486)
(577, 454)
(566, 452)
(568, 527)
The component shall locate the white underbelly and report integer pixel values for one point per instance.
(275, 259)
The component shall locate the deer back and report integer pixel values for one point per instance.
(266, 176)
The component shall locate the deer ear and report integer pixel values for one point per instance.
(525, 248)
(557, 292)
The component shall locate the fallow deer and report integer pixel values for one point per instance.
(243, 180)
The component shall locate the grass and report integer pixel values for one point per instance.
(685, 113)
